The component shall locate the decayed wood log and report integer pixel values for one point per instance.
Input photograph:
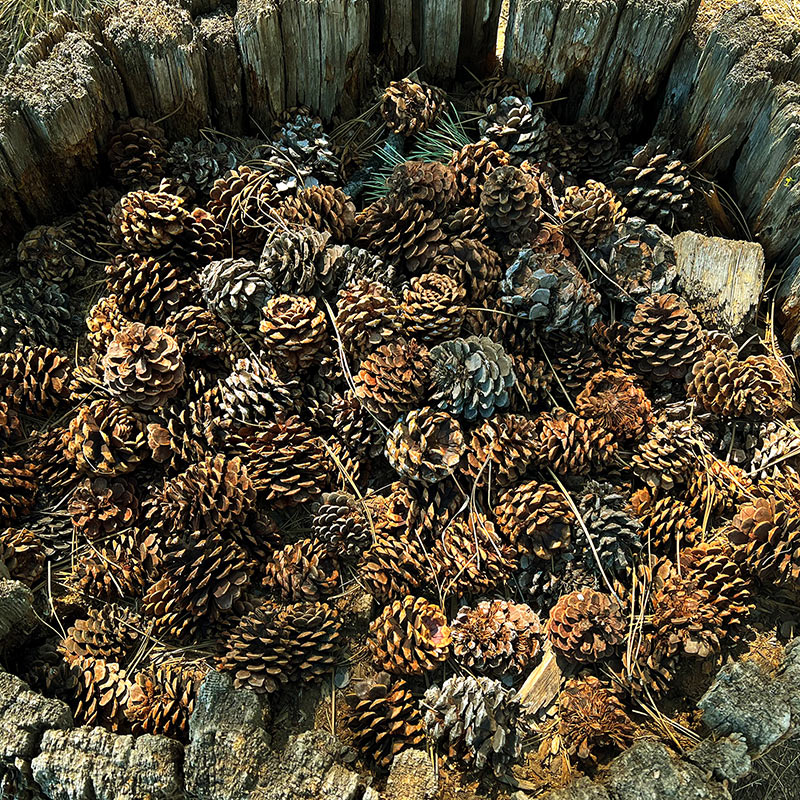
(787, 302)
(479, 21)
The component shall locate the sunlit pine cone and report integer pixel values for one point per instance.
(433, 308)
(295, 261)
(368, 315)
(293, 329)
(203, 241)
(592, 720)
(18, 483)
(410, 107)
(198, 332)
(421, 510)
(101, 506)
(137, 152)
(235, 289)
(511, 201)
(466, 223)
(648, 666)
(587, 626)
(716, 487)
(497, 637)
(410, 637)
(667, 524)
(589, 213)
(341, 525)
(394, 567)
(306, 570)
(23, 555)
(324, 208)
(406, 235)
(10, 427)
(472, 164)
(35, 379)
(536, 518)
(767, 384)
(569, 444)
(668, 455)
(143, 366)
(425, 445)
(100, 694)
(518, 127)
(775, 441)
(499, 451)
(112, 632)
(383, 719)
(50, 253)
(472, 265)
(617, 403)
(149, 222)
(254, 392)
(105, 321)
(429, 183)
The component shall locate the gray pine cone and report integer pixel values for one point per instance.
(474, 719)
(51, 253)
(544, 582)
(297, 262)
(199, 163)
(517, 127)
(471, 376)
(34, 312)
(340, 525)
(236, 290)
(253, 392)
(549, 290)
(306, 144)
(356, 264)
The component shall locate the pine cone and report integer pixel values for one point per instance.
(620, 406)
(667, 524)
(35, 379)
(497, 637)
(667, 456)
(421, 510)
(34, 312)
(111, 632)
(197, 331)
(433, 307)
(511, 201)
(518, 127)
(655, 185)
(573, 362)
(102, 506)
(254, 392)
(294, 261)
(589, 213)
(137, 152)
(471, 264)
(431, 184)
(236, 290)
(355, 427)
(394, 567)
(410, 637)
(324, 208)
(466, 223)
(309, 148)
(149, 222)
(199, 163)
(715, 487)
(384, 719)
(569, 444)
(592, 720)
(49, 466)
(104, 321)
(776, 440)
(89, 225)
(499, 451)
(10, 428)
(116, 570)
(471, 165)
(494, 88)
(425, 445)
(305, 570)
(410, 108)
(100, 693)
(517, 334)
(293, 330)
(475, 719)
(587, 148)
(368, 316)
(22, 553)
(536, 518)
(348, 264)
(341, 525)
(49, 253)
(587, 626)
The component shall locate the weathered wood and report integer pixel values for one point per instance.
(722, 279)
(479, 21)
(543, 684)
(158, 52)
(396, 47)
(224, 67)
(439, 27)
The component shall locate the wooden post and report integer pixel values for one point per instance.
(479, 22)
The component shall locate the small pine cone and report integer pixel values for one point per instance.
(406, 235)
(341, 525)
(287, 463)
(355, 427)
(589, 213)
(716, 487)
(100, 693)
(588, 148)
(254, 392)
(517, 334)
(472, 265)
(497, 637)
(667, 524)
(199, 163)
(409, 107)
(536, 518)
(143, 366)
(35, 380)
(162, 699)
(518, 127)
(587, 626)
(137, 152)
(106, 438)
(306, 570)
(715, 382)
(550, 240)
(102, 506)
(89, 225)
(648, 668)
(197, 331)
(368, 315)
(620, 406)
(425, 445)
(433, 308)
(348, 264)
(393, 567)
(10, 428)
(573, 361)
(466, 223)
(393, 378)
(664, 339)
(668, 456)
(550, 291)
(475, 720)
(149, 222)
(235, 289)
(202, 576)
(499, 451)
(34, 312)
(569, 444)
(636, 260)
(493, 89)
(324, 208)
(410, 637)
(51, 254)
(655, 185)
(22, 553)
(592, 720)
(511, 201)
(293, 329)
(768, 386)
(295, 261)
(104, 321)
(431, 184)
(472, 164)
(111, 632)
(422, 511)
(51, 469)
(303, 139)
(384, 719)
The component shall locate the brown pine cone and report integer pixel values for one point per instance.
(35, 380)
(587, 626)
(111, 632)
(410, 637)
(306, 570)
(590, 213)
(536, 518)
(433, 308)
(355, 427)
(384, 719)
(472, 165)
(149, 222)
(716, 487)
(100, 693)
(472, 265)
(106, 438)
(23, 554)
(18, 483)
(368, 315)
(203, 241)
(667, 524)
(667, 456)
(393, 378)
(569, 444)
(494, 88)
(293, 330)
(497, 637)
(592, 720)
(50, 253)
(500, 450)
(53, 472)
(341, 524)
(425, 445)
(551, 240)
(422, 511)
(466, 223)
(511, 200)
(143, 366)
(104, 321)
(197, 331)
(409, 107)
(429, 183)
(664, 339)
(89, 225)
(10, 428)
(323, 208)
(394, 567)
(517, 334)
(102, 506)
(137, 152)
(620, 406)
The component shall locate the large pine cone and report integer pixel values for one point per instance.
(102, 506)
(23, 554)
(569, 444)
(620, 406)
(393, 567)
(425, 445)
(306, 570)
(429, 183)
(421, 510)
(137, 152)
(472, 164)
(294, 261)
(100, 692)
(293, 330)
(590, 213)
(467, 223)
(410, 637)
(511, 200)
(472, 265)
(518, 127)
(324, 208)
(149, 222)
(35, 380)
(500, 450)
(51, 254)
(433, 307)
(341, 524)
(587, 626)
(32, 312)
(409, 108)
(664, 339)
(111, 632)
(668, 455)
(368, 315)
(236, 290)
(497, 637)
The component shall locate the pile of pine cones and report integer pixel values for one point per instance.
(479, 398)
